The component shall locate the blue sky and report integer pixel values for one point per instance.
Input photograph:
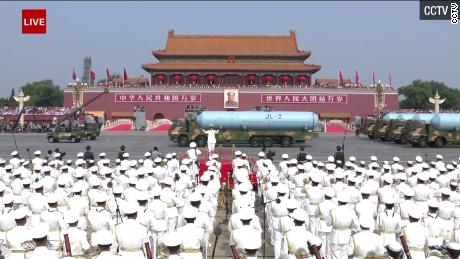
(385, 36)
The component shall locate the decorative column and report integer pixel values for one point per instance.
(21, 99)
(436, 101)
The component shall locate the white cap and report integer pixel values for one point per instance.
(195, 197)
(366, 221)
(409, 192)
(352, 159)
(40, 230)
(245, 214)
(433, 204)
(157, 160)
(101, 197)
(286, 156)
(262, 154)
(80, 155)
(373, 158)
(147, 154)
(330, 167)
(422, 177)
(394, 246)
(7, 199)
(156, 191)
(300, 215)
(126, 154)
(438, 156)
(189, 213)
(292, 204)
(396, 159)
(130, 208)
(192, 144)
(70, 217)
(330, 159)
(76, 188)
(102, 154)
(205, 178)
(57, 155)
(168, 181)
(309, 157)
(415, 213)
(183, 168)
(51, 198)
(9, 167)
(237, 153)
(104, 237)
(14, 153)
(172, 240)
(38, 152)
(329, 192)
(243, 188)
(215, 156)
(445, 191)
(419, 159)
(118, 189)
(316, 178)
(20, 213)
(341, 197)
(168, 156)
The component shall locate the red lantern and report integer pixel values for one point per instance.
(302, 78)
(210, 77)
(160, 77)
(269, 78)
(177, 78)
(194, 77)
(285, 78)
(252, 77)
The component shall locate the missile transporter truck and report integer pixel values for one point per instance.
(443, 128)
(257, 128)
(390, 122)
(367, 128)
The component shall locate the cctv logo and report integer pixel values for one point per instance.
(34, 21)
(454, 13)
(439, 10)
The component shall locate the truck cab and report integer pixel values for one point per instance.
(418, 133)
(384, 130)
(396, 130)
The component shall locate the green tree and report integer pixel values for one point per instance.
(43, 93)
(416, 95)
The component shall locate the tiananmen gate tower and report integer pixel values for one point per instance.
(238, 72)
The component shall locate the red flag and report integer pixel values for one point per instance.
(92, 75)
(340, 76)
(74, 76)
(357, 77)
(389, 78)
(373, 77)
(125, 75)
(107, 74)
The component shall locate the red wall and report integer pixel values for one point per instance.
(361, 104)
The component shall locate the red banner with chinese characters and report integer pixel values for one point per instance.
(304, 98)
(159, 98)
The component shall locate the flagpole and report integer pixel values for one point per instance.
(338, 76)
(124, 69)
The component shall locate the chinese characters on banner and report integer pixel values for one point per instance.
(159, 98)
(304, 98)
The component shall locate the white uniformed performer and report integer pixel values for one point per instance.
(211, 132)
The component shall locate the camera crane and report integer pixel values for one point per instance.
(73, 132)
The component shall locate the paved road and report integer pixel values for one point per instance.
(138, 142)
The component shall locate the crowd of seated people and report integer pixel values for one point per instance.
(29, 127)
(31, 110)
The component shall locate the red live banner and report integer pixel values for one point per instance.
(159, 98)
(304, 98)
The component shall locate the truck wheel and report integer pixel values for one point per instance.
(397, 141)
(183, 141)
(201, 142)
(371, 136)
(254, 142)
(423, 143)
(285, 142)
(73, 139)
(78, 139)
(268, 142)
(92, 137)
(439, 142)
(51, 139)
